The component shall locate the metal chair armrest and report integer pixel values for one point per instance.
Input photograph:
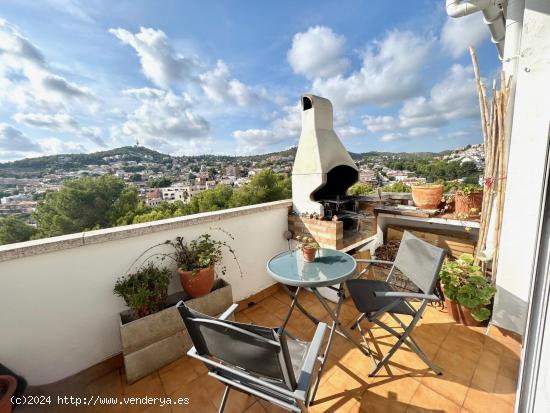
(192, 352)
(230, 310)
(306, 372)
(224, 316)
(397, 294)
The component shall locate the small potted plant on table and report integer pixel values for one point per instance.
(309, 247)
(467, 291)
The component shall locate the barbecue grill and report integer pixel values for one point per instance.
(323, 169)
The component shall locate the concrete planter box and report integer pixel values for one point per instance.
(150, 342)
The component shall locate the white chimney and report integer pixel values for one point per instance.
(323, 168)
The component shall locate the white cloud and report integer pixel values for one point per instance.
(391, 137)
(380, 123)
(289, 124)
(165, 67)
(93, 134)
(17, 51)
(61, 122)
(65, 89)
(162, 118)
(286, 126)
(55, 146)
(416, 132)
(159, 62)
(13, 140)
(390, 73)
(349, 131)
(73, 8)
(459, 134)
(253, 139)
(14, 144)
(318, 53)
(58, 122)
(191, 147)
(460, 33)
(26, 80)
(452, 99)
(219, 87)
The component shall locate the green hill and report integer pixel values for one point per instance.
(43, 165)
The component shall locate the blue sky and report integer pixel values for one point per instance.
(188, 77)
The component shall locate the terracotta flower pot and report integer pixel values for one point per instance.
(8, 384)
(465, 203)
(461, 314)
(427, 196)
(198, 284)
(309, 253)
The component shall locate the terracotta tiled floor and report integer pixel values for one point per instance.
(479, 371)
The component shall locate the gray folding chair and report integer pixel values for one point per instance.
(254, 359)
(420, 262)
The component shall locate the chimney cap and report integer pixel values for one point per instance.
(309, 101)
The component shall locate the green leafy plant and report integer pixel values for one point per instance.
(145, 290)
(200, 253)
(454, 186)
(465, 283)
(397, 187)
(469, 189)
(360, 188)
(194, 255)
(307, 242)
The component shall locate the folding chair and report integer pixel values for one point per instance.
(420, 262)
(254, 359)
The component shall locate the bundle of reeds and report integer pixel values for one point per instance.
(493, 115)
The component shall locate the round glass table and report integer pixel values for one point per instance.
(329, 268)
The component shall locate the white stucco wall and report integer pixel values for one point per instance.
(58, 314)
(527, 163)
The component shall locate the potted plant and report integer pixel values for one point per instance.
(427, 196)
(309, 247)
(8, 386)
(151, 330)
(468, 201)
(197, 262)
(151, 334)
(144, 291)
(467, 291)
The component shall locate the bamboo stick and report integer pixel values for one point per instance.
(487, 148)
(493, 118)
(488, 177)
(498, 174)
(479, 86)
(503, 169)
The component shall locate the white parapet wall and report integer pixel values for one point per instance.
(58, 313)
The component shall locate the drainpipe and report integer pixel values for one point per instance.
(514, 27)
(512, 46)
(459, 8)
(501, 30)
(492, 15)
